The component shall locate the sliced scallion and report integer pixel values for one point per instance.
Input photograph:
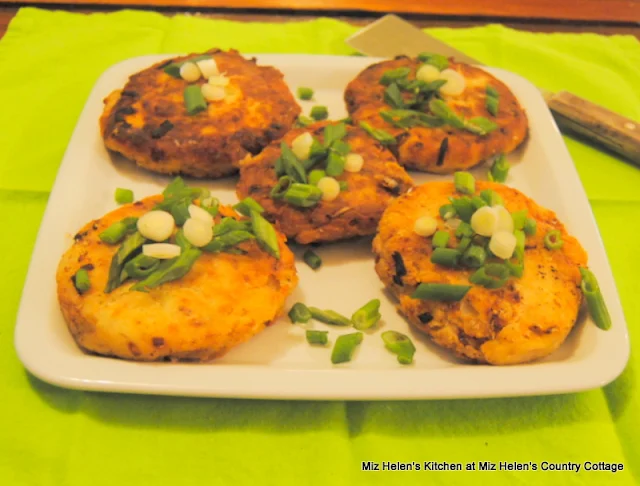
(595, 301)
(464, 182)
(312, 259)
(446, 257)
(499, 169)
(464, 229)
(392, 75)
(530, 226)
(302, 195)
(474, 257)
(491, 276)
(440, 292)
(247, 205)
(317, 337)
(553, 240)
(265, 234)
(279, 190)
(124, 196)
(440, 239)
(464, 244)
(367, 316)
(194, 101)
(491, 197)
(305, 93)
(519, 218)
(299, 313)
(447, 211)
(81, 281)
(335, 164)
(385, 138)
(329, 317)
(115, 232)
(400, 345)
(319, 112)
(464, 207)
(345, 347)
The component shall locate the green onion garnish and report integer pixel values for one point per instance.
(124, 196)
(304, 121)
(474, 257)
(329, 317)
(299, 313)
(367, 316)
(400, 345)
(478, 202)
(114, 233)
(344, 185)
(173, 69)
(464, 207)
(493, 98)
(519, 218)
(312, 259)
(440, 292)
(464, 243)
(333, 133)
(530, 226)
(491, 197)
(465, 182)
(305, 93)
(169, 270)
(279, 190)
(302, 195)
(180, 240)
(129, 246)
(228, 240)
(228, 224)
(464, 229)
(345, 346)
(385, 138)
(140, 266)
(516, 268)
(440, 109)
(317, 337)
(319, 112)
(447, 257)
(247, 205)
(394, 74)
(410, 118)
(440, 239)
(315, 175)
(180, 212)
(194, 100)
(335, 164)
(447, 211)
(393, 96)
(491, 276)
(480, 125)
(499, 169)
(81, 281)
(437, 60)
(265, 234)
(595, 301)
(553, 240)
(520, 241)
(291, 165)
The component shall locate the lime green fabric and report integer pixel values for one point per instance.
(49, 62)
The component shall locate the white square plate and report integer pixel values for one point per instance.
(278, 363)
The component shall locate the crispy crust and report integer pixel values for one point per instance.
(223, 301)
(444, 149)
(259, 108)
(355, 212)
(525, 320)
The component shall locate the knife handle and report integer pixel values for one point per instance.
(615, 132)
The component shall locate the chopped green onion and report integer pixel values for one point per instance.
(520, 241)
(367, 316)
(464, 243)
(440, 292)
(409, 118)
(440, 109)
(516, 268)
(129, 246)
(392, 75)
(465, 182)
(447, 211)
(491, 197)
(317, 337)
(335, 164)
(595, 301)
(447, 257)
(464, 229)
(400, 345)
(438, 60)
(393, 96)
(115, 232)
(305, 93)
(194, 100)
(319, 112)
(491, 276)
(464, 207)
(474, 257)
(180, 212)
(124, 196)
(304, 121)
(492, 92)
(265, 234)
(499, 169)
(173, 69)
(519, 218)
(81, 281)
(344, 185)
(345, 346)
(329, 317)
(247, 205)
(341, 147)
(302, 195)
(480, 125)
(530, 226)
(141, 266)
(312, 259)
(228, 224)
(492, 105)
(299, 313)
(291, 165)
(385, 138)
(478, 202)
(553, 240)
(315, 176)
(333, 133)
(181, 240)
(227, 240)
(169, 270)
(279, 190)
(440, 239)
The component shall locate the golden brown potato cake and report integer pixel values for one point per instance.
(147, 121)
(526, 319)
(355, 212)
(224, 299)
(443, 149)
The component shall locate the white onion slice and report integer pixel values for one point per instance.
(484, 221)
(330, 188)
(219, 80)
(455, 83)
(213, 93)
(425, 226)
(208, 67)
(427, 73)
(502, 244)
(301, 145)
(353, 162)
(156, 225)
(504, 219)
(453, 223)
(162, 251)
(196, 212)
(189, 72)
(197, 232)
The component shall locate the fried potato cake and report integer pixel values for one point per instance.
(355, 212)
(442, 149)
(526, 319)
(224, 299)
(147, 121)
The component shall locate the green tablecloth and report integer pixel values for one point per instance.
(48, 64)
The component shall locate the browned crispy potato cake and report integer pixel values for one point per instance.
(475, 116)
(348, 185)
(523, 318)
(149, 121)
(224, 299)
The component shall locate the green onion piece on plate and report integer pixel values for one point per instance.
(400, 345)
(312, 259)
(317, 337)
(530, 226)
(440, 292)
(194, 100)
(305, 93)
(553, 240)
(265, 234)
(329, 317)
(279, 190)
(124, 196)
(392, 75)
(499, 169)
(464, 243)
(491, 197)
(247, 205)
(304, 121)
(491, 276)
(81, 281)
(440, 239)
(437, 60)
(345, 347)
(480, 125)
(595, 300)
(447, 257)
(465, 182)
(492, 105)
(367, 316)
(227, 240)
(464, 229)
(302, 195)
(464, 207)
(315, 176)
(385, 138)
(474, 257)
(519, 218)
(319, 112)
(114, 233)
(299, 313)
